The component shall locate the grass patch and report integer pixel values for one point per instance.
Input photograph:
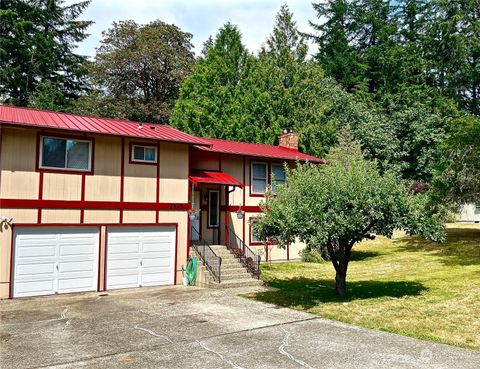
(404, 285)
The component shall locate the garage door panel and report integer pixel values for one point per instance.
(123, 281)
(74, 284)
(55, 260)
(157, 262)
(124, 264)
(148, 252)
(79, 249)
(34, 288)
(78, 266)
(29, 269)
(123, 247)
(35, 251)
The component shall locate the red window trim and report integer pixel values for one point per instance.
(38, 167)
(267, 164)
(144, 144)
(250, 233)
(208, 208)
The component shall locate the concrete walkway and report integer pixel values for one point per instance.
(180, 327)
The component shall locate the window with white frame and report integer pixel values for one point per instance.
(278, 176)
(144, 154)
(254, 239)
(67, 154)
(213, 208)
(259, 180)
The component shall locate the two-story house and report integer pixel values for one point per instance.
(99, 204)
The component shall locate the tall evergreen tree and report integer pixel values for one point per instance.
(37, 42)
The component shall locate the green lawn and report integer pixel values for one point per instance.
(404, 285)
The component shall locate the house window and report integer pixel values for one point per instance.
(259, 178)
(254, 240)
(67, 154)
(213, 209)
(144, 154)
(278, 176)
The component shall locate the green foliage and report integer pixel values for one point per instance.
(457, 177)
(334, 206)
(278, 89)
(37, 59)
(139, 70)
(311, 256)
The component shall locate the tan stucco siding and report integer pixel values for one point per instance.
(104, 185)
(139, 216)
(140, 179)
(60, 216)
(18, 178)
(102, 216)
(174, 173)
(60, 186)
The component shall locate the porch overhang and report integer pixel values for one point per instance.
(213, 177)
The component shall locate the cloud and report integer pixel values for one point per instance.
(255, 19)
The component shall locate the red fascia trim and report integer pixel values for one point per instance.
(91, 205)
(146, 144)
(122, 175)
(64, 136)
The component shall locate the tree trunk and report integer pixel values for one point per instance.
(341, 284)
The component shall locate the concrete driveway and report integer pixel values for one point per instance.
(180, 327)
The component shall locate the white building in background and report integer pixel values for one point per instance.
(469, 213)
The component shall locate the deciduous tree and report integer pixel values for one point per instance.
(334, 206)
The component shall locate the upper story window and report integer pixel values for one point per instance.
(66, 154)
(144, 154)
(278, 176)
(259, 178)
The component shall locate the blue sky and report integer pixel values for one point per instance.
(202, 18)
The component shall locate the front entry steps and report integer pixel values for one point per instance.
(233, 273)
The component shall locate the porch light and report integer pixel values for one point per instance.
(240, 212)
(193, 214)
(5, 223)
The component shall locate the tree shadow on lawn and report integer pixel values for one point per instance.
(461, 248)
(362, 255)
(309, 292)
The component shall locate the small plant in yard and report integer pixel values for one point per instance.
(311, 256)
(332, 207)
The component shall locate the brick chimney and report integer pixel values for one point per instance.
(289, 140)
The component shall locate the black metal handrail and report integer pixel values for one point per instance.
(240, 250)
(212, 261)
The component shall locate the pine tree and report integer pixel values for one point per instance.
(37, 42)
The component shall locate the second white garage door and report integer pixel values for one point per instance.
(140, 256)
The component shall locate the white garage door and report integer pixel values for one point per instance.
(55, 260)
(140, 256)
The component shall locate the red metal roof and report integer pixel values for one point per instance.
(257, 150)
(204, 176)
(47, 119)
